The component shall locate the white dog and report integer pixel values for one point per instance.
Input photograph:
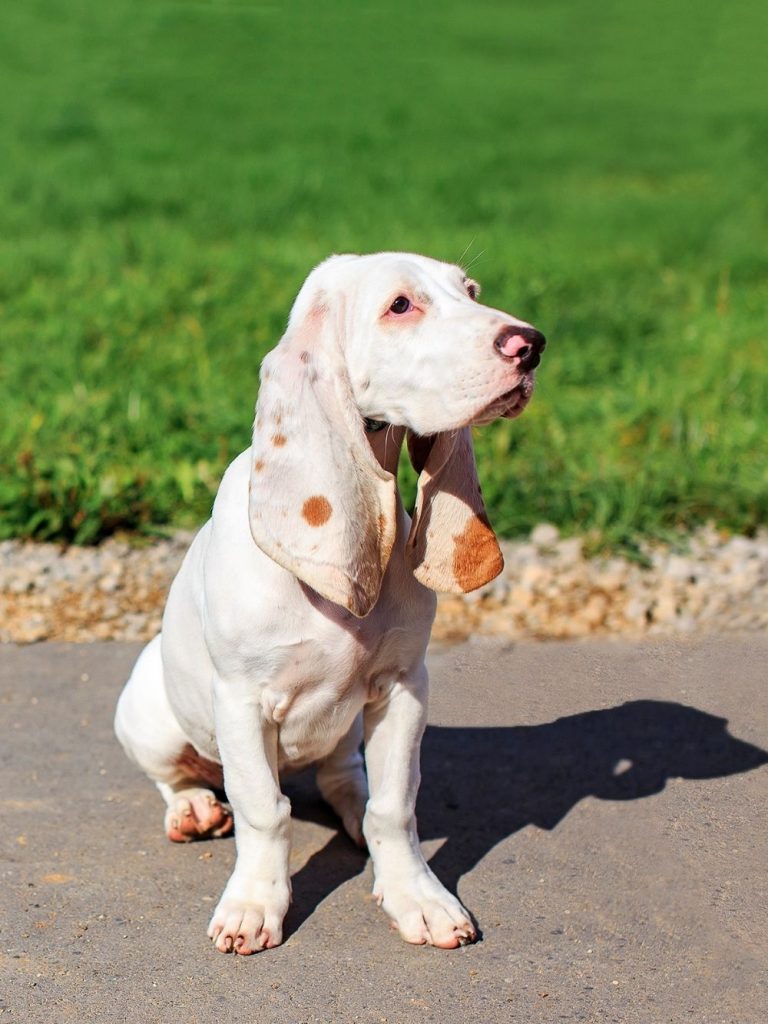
(296, 628)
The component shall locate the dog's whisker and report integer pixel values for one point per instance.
(475, 259)
(466, 249)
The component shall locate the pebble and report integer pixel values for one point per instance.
(548, 589)
(545, 535)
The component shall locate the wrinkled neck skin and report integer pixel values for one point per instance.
(386, 445)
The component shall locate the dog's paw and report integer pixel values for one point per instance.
(197, 814)
(247, 926)
(424, 912)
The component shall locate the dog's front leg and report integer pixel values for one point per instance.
(250, 913)
(420, 906)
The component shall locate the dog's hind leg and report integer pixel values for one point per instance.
(342, 782)
(152, 738)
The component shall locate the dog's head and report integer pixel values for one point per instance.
(399, 339)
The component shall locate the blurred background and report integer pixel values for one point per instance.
(171, 171)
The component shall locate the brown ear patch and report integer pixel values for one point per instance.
(476, 555)
(316, 510)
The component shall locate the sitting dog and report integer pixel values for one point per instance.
(296, 629)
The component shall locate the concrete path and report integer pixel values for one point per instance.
(600, 807)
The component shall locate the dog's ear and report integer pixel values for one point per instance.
(451, 546)
(320, 504)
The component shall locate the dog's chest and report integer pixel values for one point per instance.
(319, 686)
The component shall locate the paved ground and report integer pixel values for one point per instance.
(600, 806)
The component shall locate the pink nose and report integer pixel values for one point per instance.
(522, 345)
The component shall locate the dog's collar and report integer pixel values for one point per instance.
(373, 426)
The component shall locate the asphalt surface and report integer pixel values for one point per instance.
(600, 807)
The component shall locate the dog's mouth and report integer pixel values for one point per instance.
(509, 405)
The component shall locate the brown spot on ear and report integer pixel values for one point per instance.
(319, 308)
(304, 357)
(476, 555)
(317, 510)
(258, 465)
(278, 440)
(382, 523)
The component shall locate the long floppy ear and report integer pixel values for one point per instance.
(320, 504)
(451, 546)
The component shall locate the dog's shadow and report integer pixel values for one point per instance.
(481, 785)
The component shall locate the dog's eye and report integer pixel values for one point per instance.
(401, 305)
(473, 290)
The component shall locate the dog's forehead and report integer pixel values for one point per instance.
(384, 271)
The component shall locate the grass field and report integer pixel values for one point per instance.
(171, 171)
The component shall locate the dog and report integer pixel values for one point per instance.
(296, 629)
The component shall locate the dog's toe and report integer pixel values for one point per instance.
(245, 928)
(197, 814)
(426, 913)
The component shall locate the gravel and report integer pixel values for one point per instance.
(710, 582)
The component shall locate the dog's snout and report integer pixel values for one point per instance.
(522, 345)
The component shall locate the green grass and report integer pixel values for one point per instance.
(170, 172)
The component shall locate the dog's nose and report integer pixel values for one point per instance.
(521, 345)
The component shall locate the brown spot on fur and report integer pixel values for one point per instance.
(319, 307)
(278, 440)
(304, 357)
(258, 465)
(382, 523)
(196, 768)
(278, 419)
(317, 510)
(476, 557)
